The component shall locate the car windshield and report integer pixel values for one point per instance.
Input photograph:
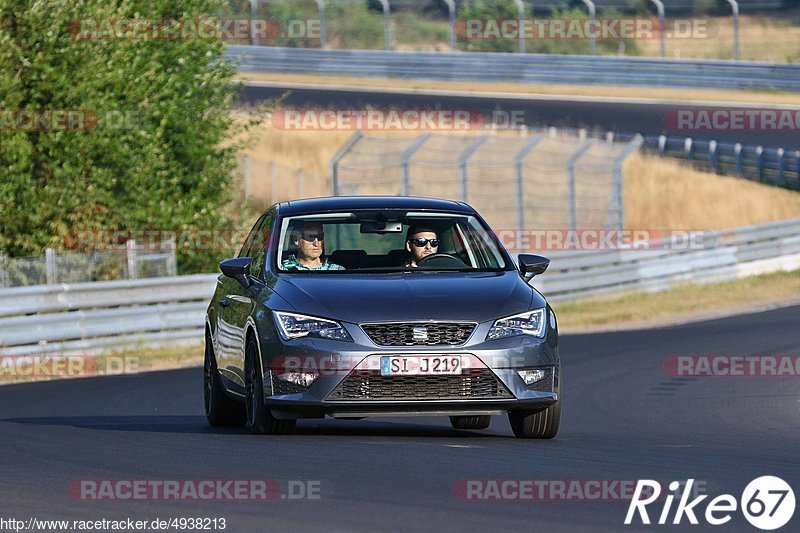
(387, 241)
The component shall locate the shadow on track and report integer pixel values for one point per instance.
(305, 428)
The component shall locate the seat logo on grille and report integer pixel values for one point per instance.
(420, 334)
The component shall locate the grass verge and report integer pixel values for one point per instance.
(684, 302)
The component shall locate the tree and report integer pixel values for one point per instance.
(153, 115)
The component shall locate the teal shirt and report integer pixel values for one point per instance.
(291, 263)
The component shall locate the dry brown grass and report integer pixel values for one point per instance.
(667, 194)
(774, 39)
(683, 303)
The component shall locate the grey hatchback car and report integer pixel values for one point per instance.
(354, 307)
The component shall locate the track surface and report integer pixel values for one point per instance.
(644, 118)
(624, 418)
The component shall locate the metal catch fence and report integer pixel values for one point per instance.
(544, 179)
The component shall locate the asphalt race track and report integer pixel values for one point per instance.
(625, 418)
(645, 117)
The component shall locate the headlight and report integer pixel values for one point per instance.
(527, 323)
(295, 326)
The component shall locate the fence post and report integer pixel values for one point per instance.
(737, 149)
(518, 161)
(51, 266)
(462, 164)
(735, 11)
(762, 157)
(634, 145)
(172, 260)
(451, 9)
(573, 215)
(323, 31)
(781, 165)
(521, 13)
(337, 157)
(662, 25)
(3, 274)
(387, 30)
(133, 266)
(713, 153)
(253, 21)
(404, 162)
(592, 17)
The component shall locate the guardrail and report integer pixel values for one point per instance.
(90, 317)
(770, 165)
(87, 317)
(520, 68)
(719, 256)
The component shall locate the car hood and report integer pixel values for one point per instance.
(357, 298)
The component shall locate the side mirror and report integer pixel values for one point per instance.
(532, 265)
(238, 269)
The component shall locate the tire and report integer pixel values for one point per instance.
(471, 422)
(259, 419)
(542, 424)
(221, 410)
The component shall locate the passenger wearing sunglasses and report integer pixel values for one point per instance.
(309, 241)
(420, 242)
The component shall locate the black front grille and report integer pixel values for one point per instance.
(419, 333)
(478, 383)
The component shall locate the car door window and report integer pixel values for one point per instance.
(258, 247)
(255, 246)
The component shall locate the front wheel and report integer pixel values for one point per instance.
(538, 425)
(542, 424)
(259, 418)
(471, 422)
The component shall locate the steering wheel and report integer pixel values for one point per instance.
(441, 261)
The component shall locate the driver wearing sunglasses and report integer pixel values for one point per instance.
(309, 241)
(420, 242)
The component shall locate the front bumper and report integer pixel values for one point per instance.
(337, 361)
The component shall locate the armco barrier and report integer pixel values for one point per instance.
(88, 317)
(520, 68)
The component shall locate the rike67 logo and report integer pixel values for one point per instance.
(767, 503)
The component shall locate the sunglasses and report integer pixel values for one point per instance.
(419, 242)
(311, 237)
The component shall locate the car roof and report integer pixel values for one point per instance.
(347, 203)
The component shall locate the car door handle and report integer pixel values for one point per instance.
(224, 302)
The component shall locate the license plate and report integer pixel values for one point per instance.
(422, 365)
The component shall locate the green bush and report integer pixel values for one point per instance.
(166, 167)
